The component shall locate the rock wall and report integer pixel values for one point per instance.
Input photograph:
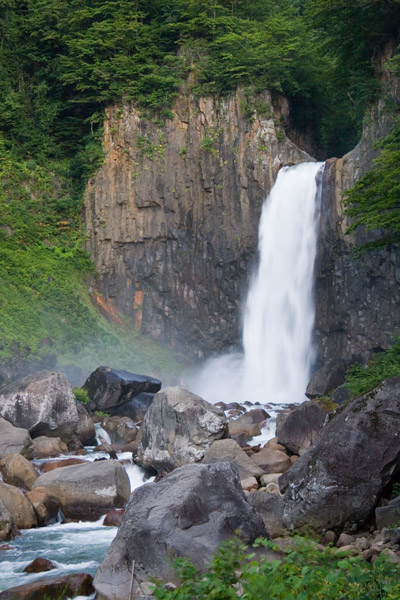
(358, 299)
(172, 216)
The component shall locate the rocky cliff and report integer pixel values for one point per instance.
(358, 299)
(172, 216)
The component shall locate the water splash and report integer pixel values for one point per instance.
(279, 311)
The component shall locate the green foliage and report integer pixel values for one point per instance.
(81, 395)
(374, 201)
(303, 573)
(362, 378)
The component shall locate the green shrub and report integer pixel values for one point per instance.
(81, 395)
(362, 378)
(303, 572)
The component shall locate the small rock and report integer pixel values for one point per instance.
(350, 549)
(273, 488)
(18, 471)
(392, 556)
(249, 484)
(114, 518)
(4, 547)
(371, 553)
(39, 565)
(272, 461)
(46, 447)
(329, 537)
(270, 478)
(44, 504)
(18, 506)
(345, 540)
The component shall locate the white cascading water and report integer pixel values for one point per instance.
(279, 311)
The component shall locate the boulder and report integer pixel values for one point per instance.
(18, 506)
(108, 387)
(271, 461)
(122, 430)
(388, 516)
(301, 427)
(230, 451)
(327, 378)
(85, 427)
(17, 470)
(39, 565)
(337, 483)
(135, 408)
(46, 447)
(6, 523)
(45, 506)
(190, 512)
(248, 425)
(63, 586)
(270, 508)
(43, 403)
(14, 440)
(87, 491)
(177, 429)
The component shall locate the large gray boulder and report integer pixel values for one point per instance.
(108, 388)
(89, 490)
(177, 429)
(43, 403)
(337, 482)
(301, 427)
(190, 512)
(230, 451)
(14, 440)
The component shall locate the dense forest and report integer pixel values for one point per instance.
(63, 61)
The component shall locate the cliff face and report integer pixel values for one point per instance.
(358, 299)
(172, 216)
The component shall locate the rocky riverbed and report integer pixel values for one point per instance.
(330, 469)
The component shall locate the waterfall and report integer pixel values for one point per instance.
(279, 311)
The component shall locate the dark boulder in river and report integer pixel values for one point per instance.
(190, 512)
(108, 387)
(43, 403)
(87, 491)
(336, 484)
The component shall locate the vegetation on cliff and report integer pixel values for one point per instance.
(63, 61)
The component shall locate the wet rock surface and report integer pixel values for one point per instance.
(190, 512)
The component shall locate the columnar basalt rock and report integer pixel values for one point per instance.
(172, 216)
(358, 299)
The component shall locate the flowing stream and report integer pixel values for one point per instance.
(279, 311)
(71, 547)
